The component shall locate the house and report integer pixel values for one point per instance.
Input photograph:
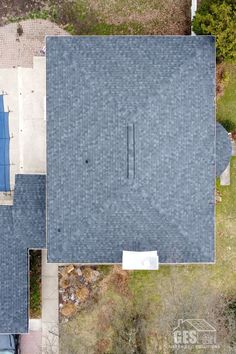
(131, 156)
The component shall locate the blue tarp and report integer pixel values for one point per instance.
(4, 149)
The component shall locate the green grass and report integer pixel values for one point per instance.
(226, 105)
(225, 268)
(226, 210)
(35, 284)
(111, 29)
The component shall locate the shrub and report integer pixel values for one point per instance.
(218, 18)
(227, 124)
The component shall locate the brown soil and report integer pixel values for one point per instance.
(155, 16)
(152, 17)
(118, 279)
(220, 75)
(19, 8)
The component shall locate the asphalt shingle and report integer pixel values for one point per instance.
(22, 227)
(130, 147)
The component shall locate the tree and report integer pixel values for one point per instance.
(218, 18)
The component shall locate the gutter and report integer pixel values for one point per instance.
(193, 11)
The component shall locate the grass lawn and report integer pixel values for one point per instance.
(226, 105)
(225, 268)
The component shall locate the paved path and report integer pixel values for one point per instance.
(31, 343)
(32, 122)
(50, 332)
(18, 50)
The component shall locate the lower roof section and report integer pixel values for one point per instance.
(22, 227)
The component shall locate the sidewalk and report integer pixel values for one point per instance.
(32, 342)
(50, 331)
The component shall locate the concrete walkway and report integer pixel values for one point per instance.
(50, 331)
(31, 343)
(31, 117)
(24, 98)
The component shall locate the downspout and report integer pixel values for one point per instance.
(193, 11)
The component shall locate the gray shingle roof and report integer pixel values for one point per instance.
(130, 147)
(22, 227)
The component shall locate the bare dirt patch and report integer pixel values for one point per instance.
(105, 17)
(155, 17)
(18, 8)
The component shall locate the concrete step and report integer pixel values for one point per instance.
(225, 177)
(233, 142)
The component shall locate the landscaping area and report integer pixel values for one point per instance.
(101, 17)
(35, 260)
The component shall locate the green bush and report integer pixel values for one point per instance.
(218, 18)
(227, 124)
